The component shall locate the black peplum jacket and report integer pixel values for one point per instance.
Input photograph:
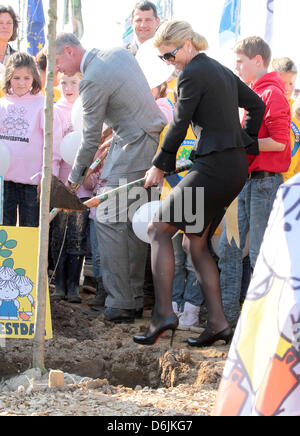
(209, 97)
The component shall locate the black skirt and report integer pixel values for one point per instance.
(203, 195)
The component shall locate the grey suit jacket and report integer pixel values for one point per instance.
(114, 90)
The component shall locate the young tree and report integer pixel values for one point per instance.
(42, 276)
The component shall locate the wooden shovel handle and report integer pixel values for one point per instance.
(95, 201)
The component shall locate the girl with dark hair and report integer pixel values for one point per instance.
(22, 132)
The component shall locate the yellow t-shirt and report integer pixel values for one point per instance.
(172, 85)
(295, 150)
(57, 94)
(2, 72)
(1, 84)
(183, 154)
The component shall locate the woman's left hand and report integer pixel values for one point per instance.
(153, 177)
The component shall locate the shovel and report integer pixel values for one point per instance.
(62, 198)
(64, 193)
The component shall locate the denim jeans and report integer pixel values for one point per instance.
(22, 198)
(254, 207)
(95, 251)
(186, 288)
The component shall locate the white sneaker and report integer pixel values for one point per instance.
(190, 317)
(176, 310)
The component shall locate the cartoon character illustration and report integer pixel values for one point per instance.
(18, 270)
(262, 372)
(13, 285)
(15, 123)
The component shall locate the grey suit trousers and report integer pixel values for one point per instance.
(122, 254)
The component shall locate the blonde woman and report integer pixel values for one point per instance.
(208, 98)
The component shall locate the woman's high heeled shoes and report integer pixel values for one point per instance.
(208, 338)
(153, 333)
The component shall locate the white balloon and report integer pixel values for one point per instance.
(77, 115)
(69, 147)
(215, 240)
(142, 217)
(155, 70)
(4, 159)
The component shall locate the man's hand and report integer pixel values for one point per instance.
(153, 177)
(108, 132)
(269, 145)
(72, 186)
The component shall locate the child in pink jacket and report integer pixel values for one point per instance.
(70, 229)
(162, 101)
(22, 131)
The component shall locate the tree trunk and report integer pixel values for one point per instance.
(42, 274)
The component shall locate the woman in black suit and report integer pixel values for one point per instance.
(209, 96)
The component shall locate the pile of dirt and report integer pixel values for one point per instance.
(89, 346)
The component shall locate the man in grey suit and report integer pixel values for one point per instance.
(114, 90)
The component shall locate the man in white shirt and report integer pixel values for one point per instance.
(145, 22)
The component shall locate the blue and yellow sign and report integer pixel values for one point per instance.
(18, 276)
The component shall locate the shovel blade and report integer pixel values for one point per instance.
(63, 198)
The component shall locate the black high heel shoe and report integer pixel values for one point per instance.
(208, 338)
(153, 333)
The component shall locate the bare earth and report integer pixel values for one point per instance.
(107, 374)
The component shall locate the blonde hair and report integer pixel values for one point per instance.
(77, 74)
(284, 65)
(177, 33)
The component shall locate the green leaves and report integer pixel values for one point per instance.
(5, 253)
(3, 237)
(8, 263)
(6, 246)
(20, 272)
(10, 244)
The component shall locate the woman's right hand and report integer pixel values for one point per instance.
(153, 177)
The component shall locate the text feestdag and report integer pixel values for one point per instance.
(14, 138)
(16, 329)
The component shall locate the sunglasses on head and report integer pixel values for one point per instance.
(170, 55)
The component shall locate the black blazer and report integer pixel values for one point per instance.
(209, 96)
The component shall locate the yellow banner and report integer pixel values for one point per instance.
(18, 278)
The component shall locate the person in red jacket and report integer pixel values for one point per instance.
(253, 56)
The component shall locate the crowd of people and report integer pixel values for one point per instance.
(241, 156)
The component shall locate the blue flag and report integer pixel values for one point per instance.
(230, 21)
(35, 26)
